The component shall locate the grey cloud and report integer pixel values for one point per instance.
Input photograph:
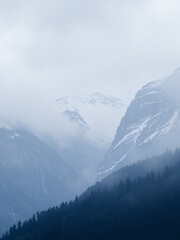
(54, 48)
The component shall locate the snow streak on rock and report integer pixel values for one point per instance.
(150, 120)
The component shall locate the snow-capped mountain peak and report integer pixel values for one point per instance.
(149, 126)
(97, 112)
(73, 102)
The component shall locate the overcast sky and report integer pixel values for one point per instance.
(49, 49)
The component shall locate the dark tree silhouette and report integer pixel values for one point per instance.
(144, 207)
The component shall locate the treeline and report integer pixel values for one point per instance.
(147, 207)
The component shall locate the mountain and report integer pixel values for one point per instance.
(37, 172)
(97, 112)
(150, 125)
(144, 207)
(32, 176)
(96, 117)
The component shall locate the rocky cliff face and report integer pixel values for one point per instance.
(149, 127)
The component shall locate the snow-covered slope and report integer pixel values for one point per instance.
(97, 112)
(150, 125)
(33, 176)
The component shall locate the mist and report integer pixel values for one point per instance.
(50, 50)
(76, 50)
(62, 48)
(26, 109)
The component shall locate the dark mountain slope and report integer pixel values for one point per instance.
(32, 176)
(144, 208)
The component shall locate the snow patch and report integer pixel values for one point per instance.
(4, 126)
(15, 135)
(154, 84)
(120, 160)
(134, 134)
(170, 124)
(164, 129)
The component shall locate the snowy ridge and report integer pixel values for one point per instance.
(149, 121)
(98, 113)
(72, 103)
(75, 116)
(11, 132)
(4, 126)
(153, 85)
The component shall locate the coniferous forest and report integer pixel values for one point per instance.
(143, 207)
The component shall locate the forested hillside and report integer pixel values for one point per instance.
(144, 207)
